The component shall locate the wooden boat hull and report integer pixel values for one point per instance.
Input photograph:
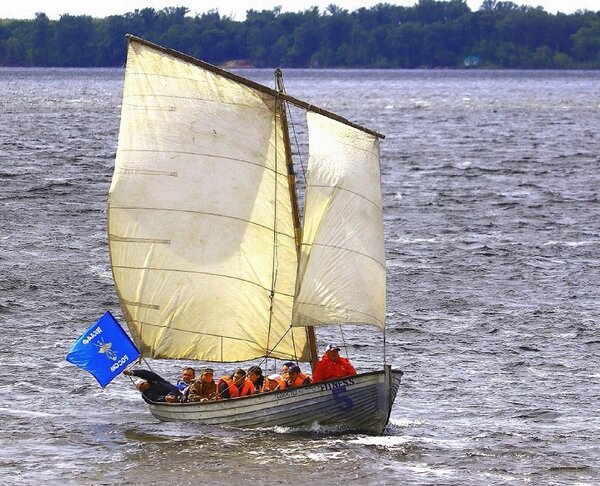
(360, 403)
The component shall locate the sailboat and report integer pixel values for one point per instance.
(209, 257)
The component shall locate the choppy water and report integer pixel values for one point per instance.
(491, 184)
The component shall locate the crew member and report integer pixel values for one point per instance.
(295, 378)
(253, 375)
(204, 388)
(332, 365)
(230, 386)
(154, 387)
(188, 375)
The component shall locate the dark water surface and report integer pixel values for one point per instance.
(491, 190)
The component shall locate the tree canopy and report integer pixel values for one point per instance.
(430, 34)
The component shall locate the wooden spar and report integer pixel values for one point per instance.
(253, 85)
(329, 114)
(310, 330)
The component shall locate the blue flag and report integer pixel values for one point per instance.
(104, 350)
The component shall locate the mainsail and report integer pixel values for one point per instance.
(200, 229)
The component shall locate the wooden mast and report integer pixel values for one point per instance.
(310, 330)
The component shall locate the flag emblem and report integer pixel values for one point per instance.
(104, 350)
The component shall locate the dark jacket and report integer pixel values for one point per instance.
(159, 387)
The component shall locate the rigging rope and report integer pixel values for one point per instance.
(274, 254)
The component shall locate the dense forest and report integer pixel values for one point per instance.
(429, 34)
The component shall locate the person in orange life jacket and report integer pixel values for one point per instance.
(253, 376)
(204, 388)
(230, 386)
(260, 379)
(295, 378)
(285, 368)
(332, 365)
(271, 383)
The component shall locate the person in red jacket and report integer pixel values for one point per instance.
(332, 365)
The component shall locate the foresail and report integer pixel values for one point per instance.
(200, 230)
(342, 267)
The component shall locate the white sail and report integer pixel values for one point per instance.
(200, 229)
(342, 266)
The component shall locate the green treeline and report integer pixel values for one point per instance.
(429, 34)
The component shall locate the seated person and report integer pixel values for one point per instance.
(284, 369)
(230, 386)
(295, 378)
(253, 375)
(204, 388)
(155, 387)
(271, 383)
(332, 365)
(188, 375)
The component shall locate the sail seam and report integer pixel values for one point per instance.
(349, 311)
(379, 208)
(382, 265)
(127, 267)
(185, 98)
(193, 332)
(212, 156)
(216, 215)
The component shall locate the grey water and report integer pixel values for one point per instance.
(492, 218)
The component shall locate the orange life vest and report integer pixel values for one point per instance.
(233, 390)
(300, 380)
(247, 389)
(267, 387)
